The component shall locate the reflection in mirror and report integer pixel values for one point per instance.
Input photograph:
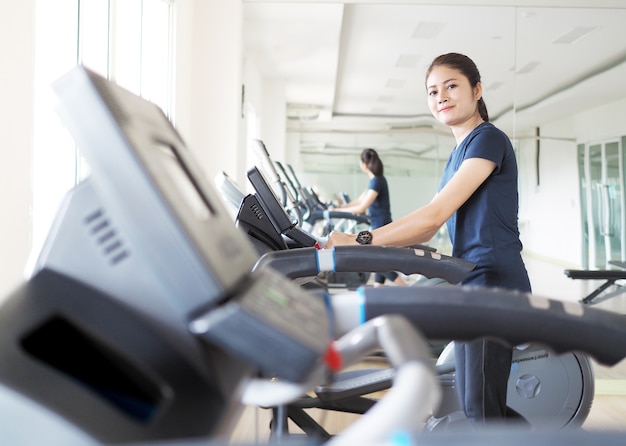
(564, 57)
(353, 77)
(570, 94)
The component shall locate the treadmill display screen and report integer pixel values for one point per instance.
(179, 175)
(276, 213)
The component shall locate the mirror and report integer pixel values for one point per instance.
(361, 66)
(354, 77)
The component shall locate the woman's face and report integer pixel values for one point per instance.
(451, 98)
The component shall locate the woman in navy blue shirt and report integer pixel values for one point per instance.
(375, 201)
(478, 200)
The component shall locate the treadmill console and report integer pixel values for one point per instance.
(276, 213)
(297, 334)
(147, 179)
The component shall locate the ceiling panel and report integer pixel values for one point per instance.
(354, 72)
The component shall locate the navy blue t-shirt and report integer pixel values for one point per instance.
(380, 210)
(484, 230)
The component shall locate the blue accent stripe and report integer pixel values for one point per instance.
(317, 260)
(361, 293)
(331, 315)
(334, 263)
(400, 438)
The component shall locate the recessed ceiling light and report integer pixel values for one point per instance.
(575, 34)
(395, 83)
(407, 60)
(530, 66)
(428, 30)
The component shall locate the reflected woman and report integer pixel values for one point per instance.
(375, 202)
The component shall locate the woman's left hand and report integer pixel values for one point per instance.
(340, 238)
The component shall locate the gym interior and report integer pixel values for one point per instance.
(316, 82)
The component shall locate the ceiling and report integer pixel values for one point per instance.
(354, 71)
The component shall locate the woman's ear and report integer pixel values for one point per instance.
(478, 91)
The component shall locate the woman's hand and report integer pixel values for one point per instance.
(340, 238)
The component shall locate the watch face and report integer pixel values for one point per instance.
(364, 238)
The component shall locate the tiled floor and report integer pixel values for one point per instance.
(608, 410)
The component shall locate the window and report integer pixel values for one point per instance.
(128, 41)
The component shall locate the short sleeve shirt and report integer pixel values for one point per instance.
(380, 210)
(484, 230)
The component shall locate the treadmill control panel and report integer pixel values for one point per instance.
(274, 324)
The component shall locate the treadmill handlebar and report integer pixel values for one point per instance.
(292, 263)
(415, 392)
(405, 260)
(465, 313)
(309, 262)
(328, 214)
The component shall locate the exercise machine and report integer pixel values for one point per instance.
(143, 320)
(143, 323)
(264, 219)
(546, 389)
(312, 215)
(266, 222)
(550, 391)
(549, 386)
(231, 193)
(611, 287)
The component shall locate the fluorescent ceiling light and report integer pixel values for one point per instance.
(530, 66)
(575, 34)
(395, 83)
(428, 30)
(407, 60)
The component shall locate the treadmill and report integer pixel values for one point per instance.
(144, 323)
(143, 319)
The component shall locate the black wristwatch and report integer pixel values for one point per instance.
(364, 238)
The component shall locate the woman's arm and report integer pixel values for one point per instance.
(361, 204)
(422, 224)
(352, 202)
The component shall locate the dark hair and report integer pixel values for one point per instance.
(467, 67)
(372, 161)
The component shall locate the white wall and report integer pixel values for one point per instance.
(210, 73)
(208, 82)
(273, 118)
(16, 141)
(550, 213)
(550, 210)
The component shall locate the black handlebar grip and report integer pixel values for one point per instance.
(321, 215)
(406, 260)
(468, 313)
(306, 262)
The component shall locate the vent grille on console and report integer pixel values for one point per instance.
(257, 211)
(106, 237)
